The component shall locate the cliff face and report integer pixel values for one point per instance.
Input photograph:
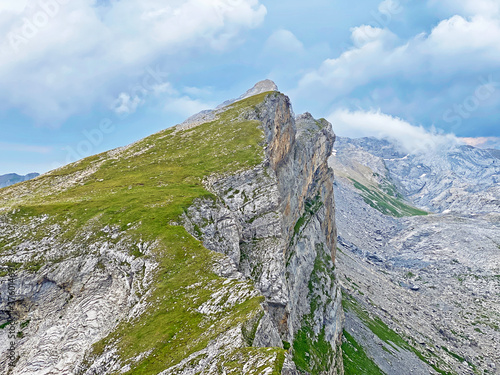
(107, 280)
(276, 222)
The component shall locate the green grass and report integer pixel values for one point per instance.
(311, 207)
(356, 362)
(454, 355)
(237, 359)
(141, 193)
(386, 200)
(387, 335)
(311, 352)
(375, 324)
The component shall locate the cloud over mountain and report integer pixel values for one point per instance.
(60, 57)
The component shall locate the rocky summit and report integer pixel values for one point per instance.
(207, 248)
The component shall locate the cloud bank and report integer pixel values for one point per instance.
(413, 139)
(430, 78)
(482, 142)
(61, 57)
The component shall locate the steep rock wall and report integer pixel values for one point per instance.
(276, 222)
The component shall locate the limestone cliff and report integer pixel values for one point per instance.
(206, 248)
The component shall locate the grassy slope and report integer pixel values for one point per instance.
(387, 335)
(386, 200)
(356, 362)
(150, 190)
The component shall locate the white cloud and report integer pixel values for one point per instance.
(125, 104)
(186, 106)
(457, 45)
(284, 41)
(373, 58)
(12, 6)
(376, 124)
(365, 34)
(63, 57)
(486, 8)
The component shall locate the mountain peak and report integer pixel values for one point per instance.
(259, 88)
(208, 115)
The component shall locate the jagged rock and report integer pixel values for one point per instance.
(257, 219)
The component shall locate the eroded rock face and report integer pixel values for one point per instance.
(277, 224)
(273, 224)
(61, 309)
(432, 279)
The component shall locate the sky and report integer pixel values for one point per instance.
(79, 77)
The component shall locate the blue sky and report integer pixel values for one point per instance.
(83, 76)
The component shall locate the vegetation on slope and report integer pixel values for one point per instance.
(312, 352)
(142, 192)
(387, 335)
(386, 200)
(356, 362)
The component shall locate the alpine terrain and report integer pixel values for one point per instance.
(207, 248)
(419, 257)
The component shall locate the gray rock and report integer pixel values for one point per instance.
(436, 284)
(274, 225)
(255, 222)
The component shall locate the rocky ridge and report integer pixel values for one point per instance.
(448, 178)
(206, 248)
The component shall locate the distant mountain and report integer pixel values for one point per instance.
(12, 178)
(420, 290)
(494, 152)
(458, 178)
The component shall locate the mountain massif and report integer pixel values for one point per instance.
(421, 286)
(217, 247)
(207, 248)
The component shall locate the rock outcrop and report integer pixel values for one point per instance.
(277, 224)
(103, 277)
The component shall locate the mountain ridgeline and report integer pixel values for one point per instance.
(207, 248)
(13, 178)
